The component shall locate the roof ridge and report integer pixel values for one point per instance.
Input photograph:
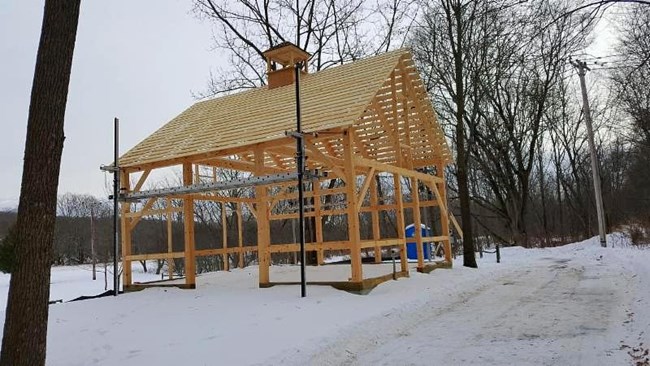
(400, 51)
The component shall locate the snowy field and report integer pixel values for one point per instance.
(574, 305)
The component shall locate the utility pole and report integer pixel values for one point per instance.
(115, 169)
(600, 211)
(116, 193)
(300, 166)
(92, 240)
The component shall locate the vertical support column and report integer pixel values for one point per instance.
(354, 235)
(417, 221)
(399, 213)
(224, 237)
(170, 238)
(188, 222)
(263, 226)
(397, 179)
(240, 236)
(444, 218)
(125, 226)
(197, 173)
(430, 218)
(318, 221)
(374, 202)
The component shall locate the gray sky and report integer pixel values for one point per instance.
(136, 60)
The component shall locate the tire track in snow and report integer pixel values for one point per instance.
(554, 312)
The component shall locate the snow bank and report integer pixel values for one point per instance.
(576, 304)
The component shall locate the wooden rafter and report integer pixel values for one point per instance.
(389, 130)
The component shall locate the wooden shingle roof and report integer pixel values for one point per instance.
(333, 98)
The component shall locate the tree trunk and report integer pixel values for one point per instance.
(542, 194)
(523, 228)
(462, 157)
(159, 265)
(560, 227)
(25, 328)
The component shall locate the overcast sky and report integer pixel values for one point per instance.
(136, 60)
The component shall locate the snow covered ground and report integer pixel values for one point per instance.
(574, 305)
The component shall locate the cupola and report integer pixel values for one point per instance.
(280, 62)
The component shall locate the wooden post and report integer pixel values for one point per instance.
(399, 213)
(224, 237)
(127, 279)
(354, 235)
(397, 179)
(318, 221)
(417, 221)
(263, 227)
(444, 219)
(170, 238)
(240, 235)
(188, 218)
(197, 174)
(374, 202)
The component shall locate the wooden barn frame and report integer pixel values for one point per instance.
(361, 119)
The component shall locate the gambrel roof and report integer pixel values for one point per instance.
(368, 94)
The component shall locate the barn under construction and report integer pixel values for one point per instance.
(359, 120)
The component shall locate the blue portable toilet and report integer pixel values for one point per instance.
(411, 248)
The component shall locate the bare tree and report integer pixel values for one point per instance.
(631, 84)
(528, 65)
(72, 235)
(450, 46)
(597, 6)
(333, 32)
(25, 330)
(492, 67)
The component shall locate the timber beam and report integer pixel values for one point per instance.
(382, 167)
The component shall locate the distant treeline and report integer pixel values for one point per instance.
(79, 215)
